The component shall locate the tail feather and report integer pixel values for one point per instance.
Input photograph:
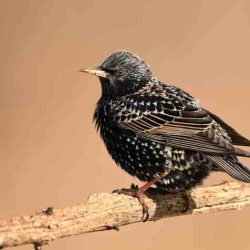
(232, 166)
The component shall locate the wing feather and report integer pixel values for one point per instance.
(237, 138)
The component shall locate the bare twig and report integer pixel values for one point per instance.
(106, 211)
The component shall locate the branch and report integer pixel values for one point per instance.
(106, 211)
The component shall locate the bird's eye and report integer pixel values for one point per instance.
(119, 72)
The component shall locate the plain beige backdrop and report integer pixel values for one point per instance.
(50, 152)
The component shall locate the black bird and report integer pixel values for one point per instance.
(158, 132)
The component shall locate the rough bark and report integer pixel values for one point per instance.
(106, 211)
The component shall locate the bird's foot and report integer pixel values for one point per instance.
(134, 191)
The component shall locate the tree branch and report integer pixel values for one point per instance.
(106, 211)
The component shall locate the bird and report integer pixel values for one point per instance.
(158, 132)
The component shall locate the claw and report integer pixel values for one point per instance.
(145, 215)
(140, 196)
(133, 186)
(115, 191)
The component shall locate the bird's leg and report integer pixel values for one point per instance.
(139, 194)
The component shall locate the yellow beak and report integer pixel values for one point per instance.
(95, 71)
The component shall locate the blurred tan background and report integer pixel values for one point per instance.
(50, 152)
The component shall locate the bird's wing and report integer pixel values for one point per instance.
(168, 115)
(237, 139)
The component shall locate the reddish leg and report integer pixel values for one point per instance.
(139, 194)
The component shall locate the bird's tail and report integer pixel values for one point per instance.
(231, 165)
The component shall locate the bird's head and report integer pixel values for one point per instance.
(122, 73)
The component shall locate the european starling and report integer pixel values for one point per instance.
(158, 132)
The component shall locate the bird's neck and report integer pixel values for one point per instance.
(119, 89)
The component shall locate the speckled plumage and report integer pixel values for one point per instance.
(151, 128)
